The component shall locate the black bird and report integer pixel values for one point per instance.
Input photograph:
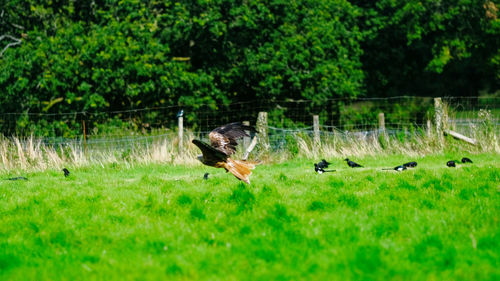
(352, 164)
(398, 168)
(17, 178)
(66, 172)
(466, 160)
(450, 163)
(320, 170)
(410, 164)
(323, 164)
(205, 176)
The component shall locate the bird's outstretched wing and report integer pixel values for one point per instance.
(225, 138)
(210, 152)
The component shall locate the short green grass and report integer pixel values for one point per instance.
(154, 222)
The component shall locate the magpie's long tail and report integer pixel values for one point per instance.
(16, 178)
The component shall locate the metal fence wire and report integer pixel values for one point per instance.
(340, 117)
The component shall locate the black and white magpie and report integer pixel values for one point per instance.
(352, 164)
(320, 170)
(398, 168)
(205, 176)
(451, 163)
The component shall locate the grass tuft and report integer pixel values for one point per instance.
(316, 206)
(184, 199)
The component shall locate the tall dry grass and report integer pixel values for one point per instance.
(339, 145)
(420, 143)
(31, 154)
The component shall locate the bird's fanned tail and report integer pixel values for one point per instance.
(240, 169)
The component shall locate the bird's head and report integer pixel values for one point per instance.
(347, 159)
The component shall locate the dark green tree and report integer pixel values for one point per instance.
(430, 48)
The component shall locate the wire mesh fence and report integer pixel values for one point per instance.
(404, 116)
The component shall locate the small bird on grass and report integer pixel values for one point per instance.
(352, 164)
(466, 160)
(320, 170)
(205, 176)
(451, 163)
(66, 172)
(17, 178)
(398, 168)
(323, 164)
(410, 164)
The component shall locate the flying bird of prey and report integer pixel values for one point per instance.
(410, 164)
(223, 142)
(466, 160)
(352, 164)
(450, 163)
(323, 164)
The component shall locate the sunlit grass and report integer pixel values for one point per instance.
(164, 222)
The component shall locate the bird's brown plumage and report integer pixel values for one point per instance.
(223, 142)
(225, 138)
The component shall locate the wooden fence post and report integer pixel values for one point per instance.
(381, 122)
(460, 137)
(180, 126)
(442, 123)
(246, 140)
(438, 118)
(446, 119)
(317, 139)
(262, 130)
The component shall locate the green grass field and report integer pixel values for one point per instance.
(160, 222)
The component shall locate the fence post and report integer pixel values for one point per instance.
(246, 140)
(262, 129)
(180, 125)
(317, 139)
(439, 114)
(381, 122)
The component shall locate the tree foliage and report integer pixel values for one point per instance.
(125, 54)
(431, 48)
